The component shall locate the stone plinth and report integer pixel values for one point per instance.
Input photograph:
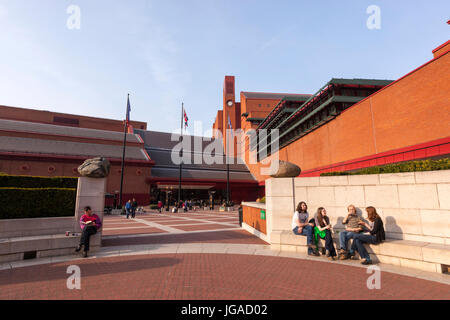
(90, 192)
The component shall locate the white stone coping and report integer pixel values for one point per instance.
(10, 228)
(418, 177)
(219, 248)
(255, 232)
(258, 205)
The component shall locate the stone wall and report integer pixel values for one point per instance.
(252, 221)
(46, 237)
(413, 206)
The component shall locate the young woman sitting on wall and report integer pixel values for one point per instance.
(301, 226)
(323, 229)
(375, 235)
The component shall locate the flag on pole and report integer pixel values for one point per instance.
(229, 125)
(128, 110)
(185, 119)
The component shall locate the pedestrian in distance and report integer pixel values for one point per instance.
(128, 208)
(134, 206)
(241, 215)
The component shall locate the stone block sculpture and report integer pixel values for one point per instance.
(95, 168)
(286, 170)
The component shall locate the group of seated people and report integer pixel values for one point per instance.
(356, 229)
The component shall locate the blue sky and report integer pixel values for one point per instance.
(166, 52)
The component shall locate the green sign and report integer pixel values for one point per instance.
(263, 214)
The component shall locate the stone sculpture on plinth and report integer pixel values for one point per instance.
(286, 170)
(95, 168)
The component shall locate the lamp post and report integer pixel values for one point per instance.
(168, 200)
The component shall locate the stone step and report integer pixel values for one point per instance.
(412, 254)
(20, 248)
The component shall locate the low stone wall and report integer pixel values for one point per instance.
(36, 227)
(252, 215)
(252, 221)
(45, 237)
(414, 206)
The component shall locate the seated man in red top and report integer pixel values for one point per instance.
(89, 223)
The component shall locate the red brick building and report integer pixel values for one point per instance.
(349, 123)
(43, 143)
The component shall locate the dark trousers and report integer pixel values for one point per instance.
(358, 244)
(308, 232)
(133, 212)
(88, 231)
(329, 245)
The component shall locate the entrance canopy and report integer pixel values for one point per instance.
(185, 186)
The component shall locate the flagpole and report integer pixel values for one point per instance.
(123, 152)
(179, 182)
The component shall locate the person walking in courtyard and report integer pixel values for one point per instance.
(323, 229)
(301, 226)
(375, 234)
(128, 208)
(90, 223)
(134, 206)
(352, 227)
(241, 215)
(160, 205)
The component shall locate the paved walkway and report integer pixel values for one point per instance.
(216, 263)
(156, 223)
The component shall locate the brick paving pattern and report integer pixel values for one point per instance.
(210, 276)
(232, 236)
(198, 276)
(178, 222)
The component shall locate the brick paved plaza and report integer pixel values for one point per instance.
(204, 255)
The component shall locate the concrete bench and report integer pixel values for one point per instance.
(38, 238)
(21, 248)
(424, 256)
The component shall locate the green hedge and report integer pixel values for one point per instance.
(37, 182)
(153, 206)
(410, 166)
(20, 203)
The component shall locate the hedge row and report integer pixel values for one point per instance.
(20, 203)
(410, 166)
(37, 182)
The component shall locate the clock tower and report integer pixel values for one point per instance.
(231, 109)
